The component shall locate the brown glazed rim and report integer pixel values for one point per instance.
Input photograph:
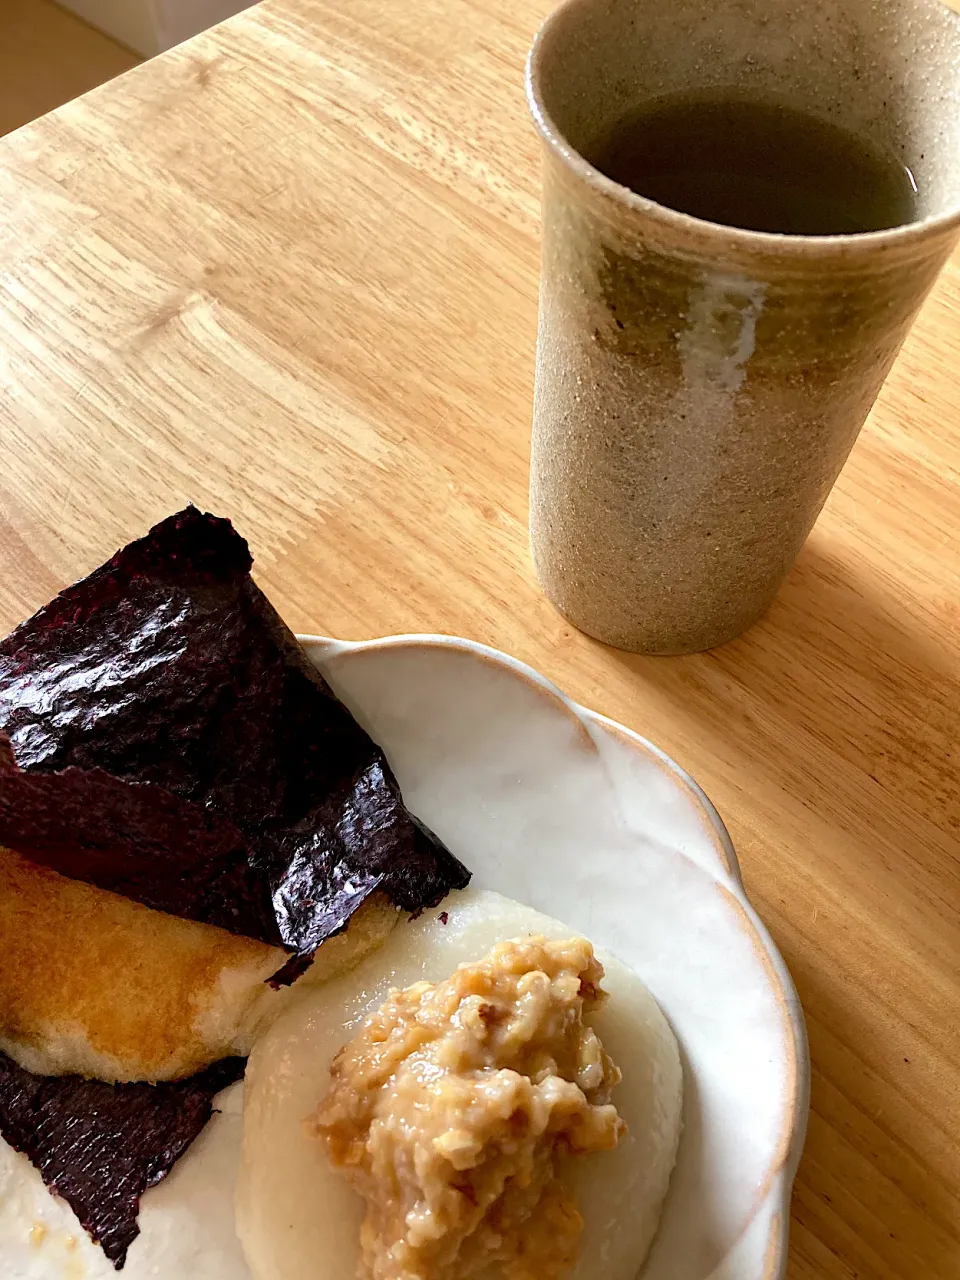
(756, 244)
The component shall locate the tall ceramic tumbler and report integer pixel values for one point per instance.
(700, 385)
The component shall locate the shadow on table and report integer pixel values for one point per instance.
(826, 598)
(888, 682)
(836, 658)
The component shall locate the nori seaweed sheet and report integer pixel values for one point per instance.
(136, 839)
(100, 1146)
(169, 666)
(164, 736)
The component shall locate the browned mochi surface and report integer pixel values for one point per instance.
(171, 743)
(186, 811)
(179, 994)
(452, 1110)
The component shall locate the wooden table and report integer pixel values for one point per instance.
(289, 271)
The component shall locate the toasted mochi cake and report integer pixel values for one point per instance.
(300, 1218)
(194, 813)
(95, 984)
(200, 831)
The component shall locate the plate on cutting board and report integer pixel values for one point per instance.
(583, 820)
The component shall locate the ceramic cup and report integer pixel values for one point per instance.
(699, 387)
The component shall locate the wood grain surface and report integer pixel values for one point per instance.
(289, 271)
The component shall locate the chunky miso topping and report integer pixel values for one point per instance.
(454, 1108)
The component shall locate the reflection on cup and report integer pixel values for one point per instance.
(703, 370)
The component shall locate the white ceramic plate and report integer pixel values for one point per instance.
(583, 820)
(578, 817)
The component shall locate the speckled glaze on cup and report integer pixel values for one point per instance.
(699, 387)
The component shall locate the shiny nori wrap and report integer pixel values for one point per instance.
(163, 736)
(168, 666)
